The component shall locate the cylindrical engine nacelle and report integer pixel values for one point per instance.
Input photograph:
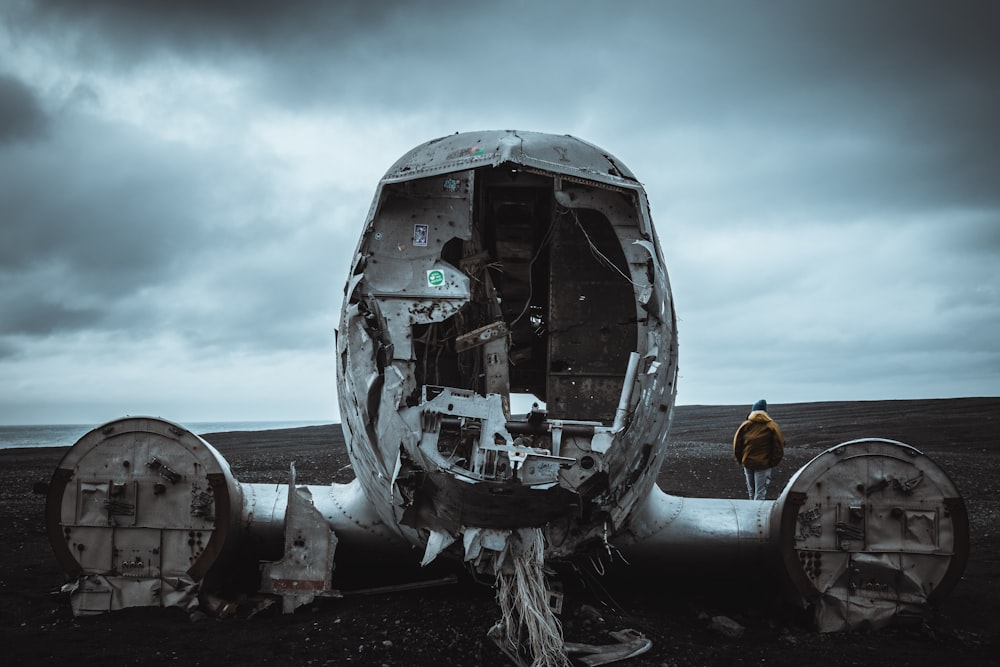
(870, 530)
(867, 531)
(138, 511)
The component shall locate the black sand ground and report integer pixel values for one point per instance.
(447, 625)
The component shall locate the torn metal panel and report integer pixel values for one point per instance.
(391, 429)
(438, 541)
(306, 569)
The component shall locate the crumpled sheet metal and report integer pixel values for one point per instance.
(873, 590)
(97, 594)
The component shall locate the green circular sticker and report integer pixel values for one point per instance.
(435, 278)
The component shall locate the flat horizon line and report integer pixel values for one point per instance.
(323, 422)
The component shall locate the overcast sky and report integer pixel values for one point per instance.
(182, 184)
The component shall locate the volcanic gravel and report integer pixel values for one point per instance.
(447, 624)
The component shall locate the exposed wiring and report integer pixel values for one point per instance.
(531, 265)
(600, 255)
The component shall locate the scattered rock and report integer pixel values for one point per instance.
(726, 626)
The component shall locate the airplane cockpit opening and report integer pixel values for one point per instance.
(502, 263)
(506, 369)
(556, 279)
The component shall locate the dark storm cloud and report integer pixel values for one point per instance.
(21, 116)
(845, 106)
(294, 53)
(913, 71)
(130, 30)
(973, 240)
(93, 216)
(922, 75)
(100, 199)
(30, 313)
(184, 178)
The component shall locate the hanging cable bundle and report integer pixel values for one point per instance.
(527, 623)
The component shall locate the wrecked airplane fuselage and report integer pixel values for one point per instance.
(496, 271)
(496, 264)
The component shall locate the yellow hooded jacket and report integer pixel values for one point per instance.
(758, 443)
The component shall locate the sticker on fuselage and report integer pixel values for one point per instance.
(420, 235)
(435, 277)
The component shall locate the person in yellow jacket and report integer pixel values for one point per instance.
(758, 446)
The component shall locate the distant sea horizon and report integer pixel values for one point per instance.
(65, 435)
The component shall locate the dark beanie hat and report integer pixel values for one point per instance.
(759, 405)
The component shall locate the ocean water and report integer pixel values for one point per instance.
(64, 435)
